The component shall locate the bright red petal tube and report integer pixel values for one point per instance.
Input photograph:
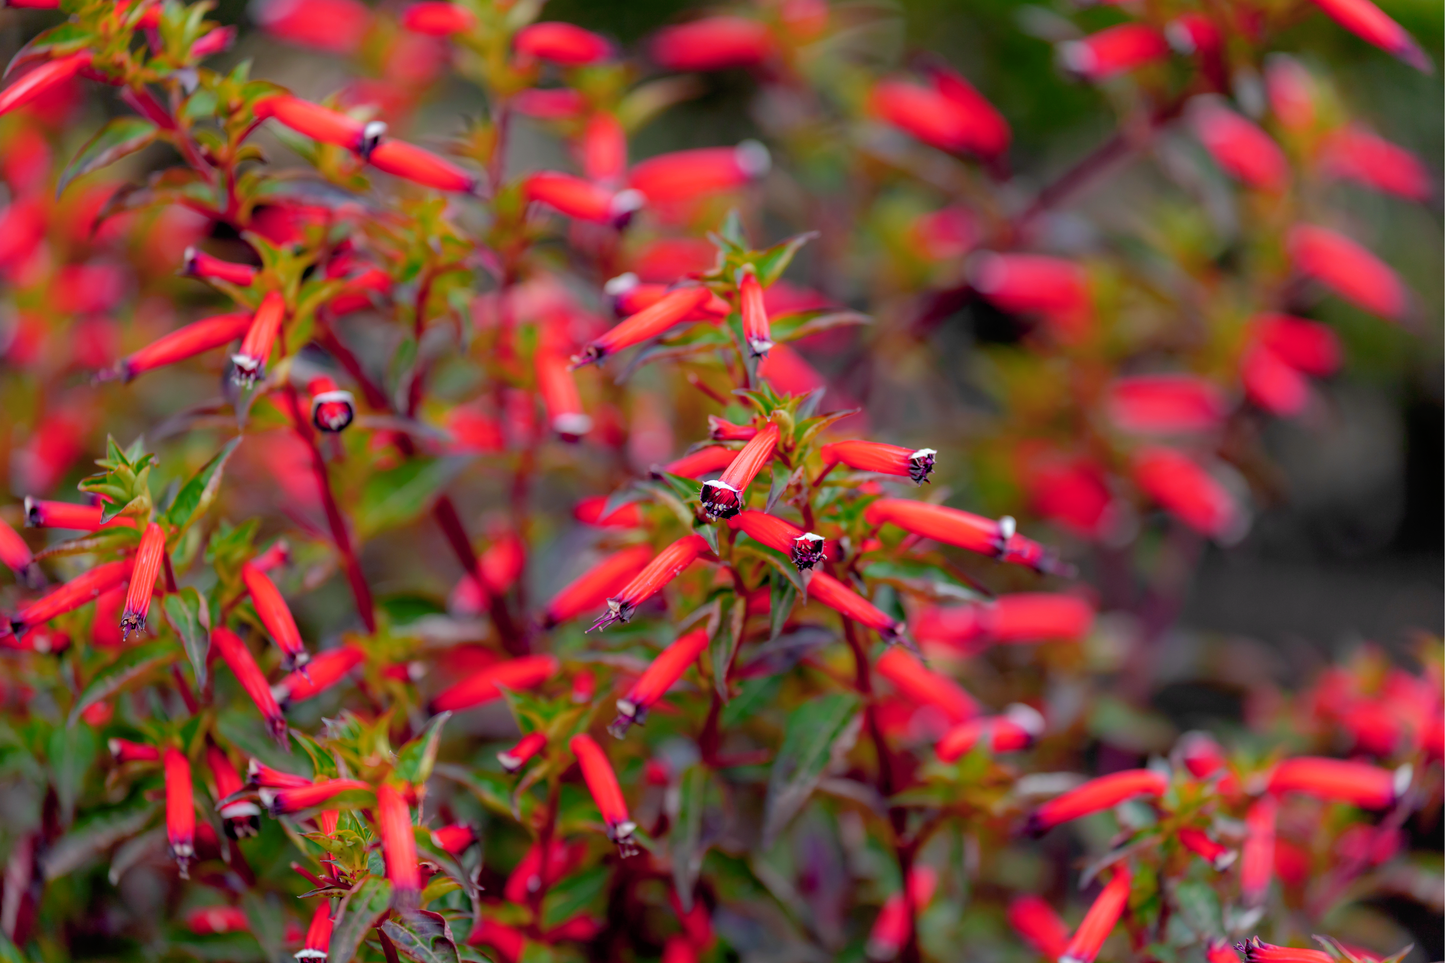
(1114, 51)
(126, 751)
(1357, 783)
(756, 329)
(842, 599)
(259, 775)
(41, 79)
(1165, 404)
(313, 121)
(884, 459)
(727, 495)
(1214, 853)
(248, 674)
(393, 818)
(148, 558)
(561, 43)
(668, 564)
(1096, 795)
(1257, 951)
(528, 672)
(40, 513)
(275, 616)
(1239, 146)
(180, 810)
(1219, 951)
(337, 26)
(604, 149)
(890, 929)
(72, 595)
(712, 43)
(318, 934)
(14, 552)
(321, 673)
(973, 532)
(602, 784)
(1187, 491)
(581, 199)
(1310, 346)
(199, 264)
(242, 816)
(454, 838)
(260, 337)
(919, 684)
(527, 747)
(951, 116)
(1039, 926)
(687, 174)
(1031, 283)
(420, 166)
(558, 388)
(593, 587)
(280, 802)
(704, 461)
(1355, 153)
(1272, 384)
(1349, 270)
(589, 512)
(437, 19)
(656, 679)
(332, 409)
(1100, 920)
(509, 943)
(1013, 731)
(187, 342)
(644, 325)
(804, 549)
(720, 429)
(1371, 24)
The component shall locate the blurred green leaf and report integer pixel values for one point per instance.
(575, 894)
(414, 760)
(398, 495)
(199, 493)
(422, 936)
(357, 916)
(131, 666)
(120, 137)
(815, 732)
(187, 614)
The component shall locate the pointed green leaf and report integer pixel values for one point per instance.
(70, 753)
(783, 595)
(199, 492)
(575, 894)
(816, 732)
(97, 832)
(685, 841)
(414, 761)
(187, 613)
(397, 495)
(708, 531)
(133, 665)
(1199, 905)
(119, 138)
(422, 936)
(357, 915)
(774, 261)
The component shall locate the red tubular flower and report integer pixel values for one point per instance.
(712, 43)
(72, 595)
(720, 429)
(454, 838)
(318, 934)
(275, 616)
(320, 674)
(561, 103)
(199, 264)
(602, 784)
(1094, 796)
(805, 549)
(337, 26)
(242, 816)
(187, 342)
(679, 949)
(1193, 33)
(1257, 951)
(420, 166)
(1216, 854)
(918, 684)
(589, 512)
(1219, 951)
(593, 587)
(630, 296)
(1114, 51)
(726, 496)
(14, 552)
(281, 802)
(558, 387)
(1187, 491)
(584, 686)
(1349, 270)
(982, 128)
(260, 775)
(332, 409)
(755, 315)
(250, 361)
(126, 751)
(275, 555)
(1013, 731)
(580, 199)
(180, 810)
(1256, 867)
(1031, 616)
(973, 532)
(1354, 153)
(881, 458)
(217, 919)
(1239, 146)
(1291, 92)
(1033, 284)
(704, 461)
(656, 679)
(509, 943)
(1099, 921)
(840, 598)
(1357, 783)
(890, 929)
(687, 174)
(40, 513)
(604, 149)
(437, 19)
(248, 674)
(1371, 24)
(951, 116)
(1272, 384)
(148, 558)
(1165, 404)
(561, 43)
(318, 123)
(1307, 345)
(393, 818)
(528, 746)
(43, 78)
(1039, 925)
(1201, 755)
(644, 325)
(526, 877)
(667, 566)
(528, 672)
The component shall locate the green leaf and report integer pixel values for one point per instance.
(66, 38)
(187, 613)
(708, 531)
(125, 481)
(119, 138)
(414, 760)
(422, 936)
(753, 695)
(199, 493)
(132, 665)
(97, 833)
(726, 633)
(71, 752)
(574, 894)
(783, 596)
(9, 952)
(1199, 905)
(396, 496)
(771, 264)
(358, 913)
(816, 731)
(731, 232)
(685, 841)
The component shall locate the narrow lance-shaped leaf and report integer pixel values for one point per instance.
(133, 664)
(686, 842)
(574, 895)
(421, 936)
(118, 138)
(358, 913)
(814, 732)
(197, 495)
(414, 760)
(188, 615)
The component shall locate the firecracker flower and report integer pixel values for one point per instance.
(1256, 950)
(704, 461)
(1096, 795)
(199, 264)
(393, 818)
(250, 360)
(15, 553)
(310, 795)
(44, 78)
(527, 672)
(187, 342)
(582, 199)
(1013, 731)
(321, 672)
(1357, 783)
(436, 18)
(40, 513)
(1039, 925)
(318, 933)
(713, 43)
(260, 775)
(332, 409)
(148, 558)
(420, 166)
(1214, 853)
(656, 679)
(890, 928)
(1100, 920)
(726, 496)
(685, 175)
(243, 665)
(275, 615)
(526, 748)
(804, 549)
(756, 329)
(720, 429)
(666, 566)
(454, 838)
(1113, 51)
(72, 595)
(124, 751)
(241, 816)
(593, 587)
(180, 810)
(921, 685)
(874, 456)
(975, 533)
(319, 123)
(606, 793)
(561, 43)
(644, 325)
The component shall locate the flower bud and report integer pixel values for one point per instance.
(295, 799)
(39, 80)
(594, 586)
(1216, 854)
(1039, 925)
(920, 685)
(454, 838)
(1013, 731)
(604, 149)
(148, 558)
(1357, 783)
(756, 330)
(1165, 404)
(1349, 270)
(420, 166)
(335, 26)
(704, 461)
(668, 564)
(884, 459)
(1358, 155)
(243, 665)
(602, 784)
(842, 599)
(318, 934)
(890, 928)
(1371, 24)
(437, 19)
(393, 818)
(712, 43)
(199, 264)
(15, 553)
(321, 673)
(658, 677)
(124, 751)
(528, 746)
(644, 325)
(561, 43)
(1035, 284)
(260, 775)
(187, 342)
(1188, 492)
(580, 199)
(1114, 51)
(180, 810)
(276, 616)
(688, 174)
(1239, 146)
(1096, 795)
(720, 429)
(951, 116)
